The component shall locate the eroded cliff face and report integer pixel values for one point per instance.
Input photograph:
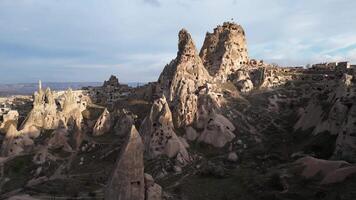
(159, 135)
(180, 80)
(253, 130)
(333, 112)
(224, 51)
(47, 115)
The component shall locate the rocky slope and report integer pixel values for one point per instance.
(215, 125)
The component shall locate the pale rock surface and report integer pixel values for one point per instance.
(190, 133)
(13, 142)
(9, 118)
(224, 51)
(127, 179)
(158, 133)
(153, 190)
(46, 115)
(218, 131)
(243, 81)
(103, 124)
(180, 80)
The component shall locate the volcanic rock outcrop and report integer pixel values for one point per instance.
(124, 122)
(159, 136)
(44, 112)
(243, 81)
(103, 124)
(9, 118)
(217, 129)
(225, 50)
(112, 82)
(14, 142)
(334, 113)
(46, 115)
(180, 80)
(331, 171)
(127, 180)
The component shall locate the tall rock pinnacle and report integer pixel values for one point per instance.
(127, 180)
(181, 78)
(225, 50)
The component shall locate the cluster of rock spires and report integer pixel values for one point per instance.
(194, 101)
(45, 115)
(189, 84)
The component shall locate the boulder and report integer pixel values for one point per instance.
(218, 131)
(232, 157)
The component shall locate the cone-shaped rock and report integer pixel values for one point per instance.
(127, 179)
(158, 133)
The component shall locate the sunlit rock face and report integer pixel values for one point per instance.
(47, 115)
(225, 50)
(14, 143)
(127, 180)
(180, 80)
(217, 129)
(159, 136)
(103, 124)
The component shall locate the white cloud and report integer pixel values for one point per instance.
(135, 40)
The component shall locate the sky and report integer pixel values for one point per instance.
(88, 40)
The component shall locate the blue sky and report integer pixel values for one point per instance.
(87, 40)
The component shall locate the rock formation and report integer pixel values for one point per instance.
(225, 50)
(44, 112)
(243, 81)
(127, 180)
(334, 113)
(217, 129)
(9, 118)
(331, 171)
(180, 80)
(153, 190)
(14, 142)
(60, 139)
(124, 122)
(46, 115)
(112, 82)
(159, 136)
(103, 124)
